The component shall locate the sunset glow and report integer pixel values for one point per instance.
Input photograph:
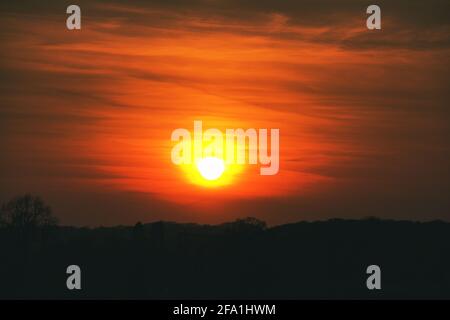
(91, 111)
(186, 152)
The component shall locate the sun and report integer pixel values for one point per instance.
(211, 171)
(211, 168)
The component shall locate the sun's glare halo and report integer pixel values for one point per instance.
(211, 168)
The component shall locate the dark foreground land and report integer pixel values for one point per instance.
(242, 259)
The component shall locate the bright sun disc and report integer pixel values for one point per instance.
(211, 168)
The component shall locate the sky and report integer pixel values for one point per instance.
(86, 116)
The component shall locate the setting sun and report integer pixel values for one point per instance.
(211, 168)
(211, 172)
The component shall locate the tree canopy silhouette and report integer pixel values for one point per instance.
(26, 212)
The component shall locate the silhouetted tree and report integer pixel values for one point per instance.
(26, 212)
(248, 224)
(138, 231)
(253, 222)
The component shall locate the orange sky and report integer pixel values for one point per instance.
(87, 115)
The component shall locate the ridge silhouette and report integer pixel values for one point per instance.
(240, 259)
